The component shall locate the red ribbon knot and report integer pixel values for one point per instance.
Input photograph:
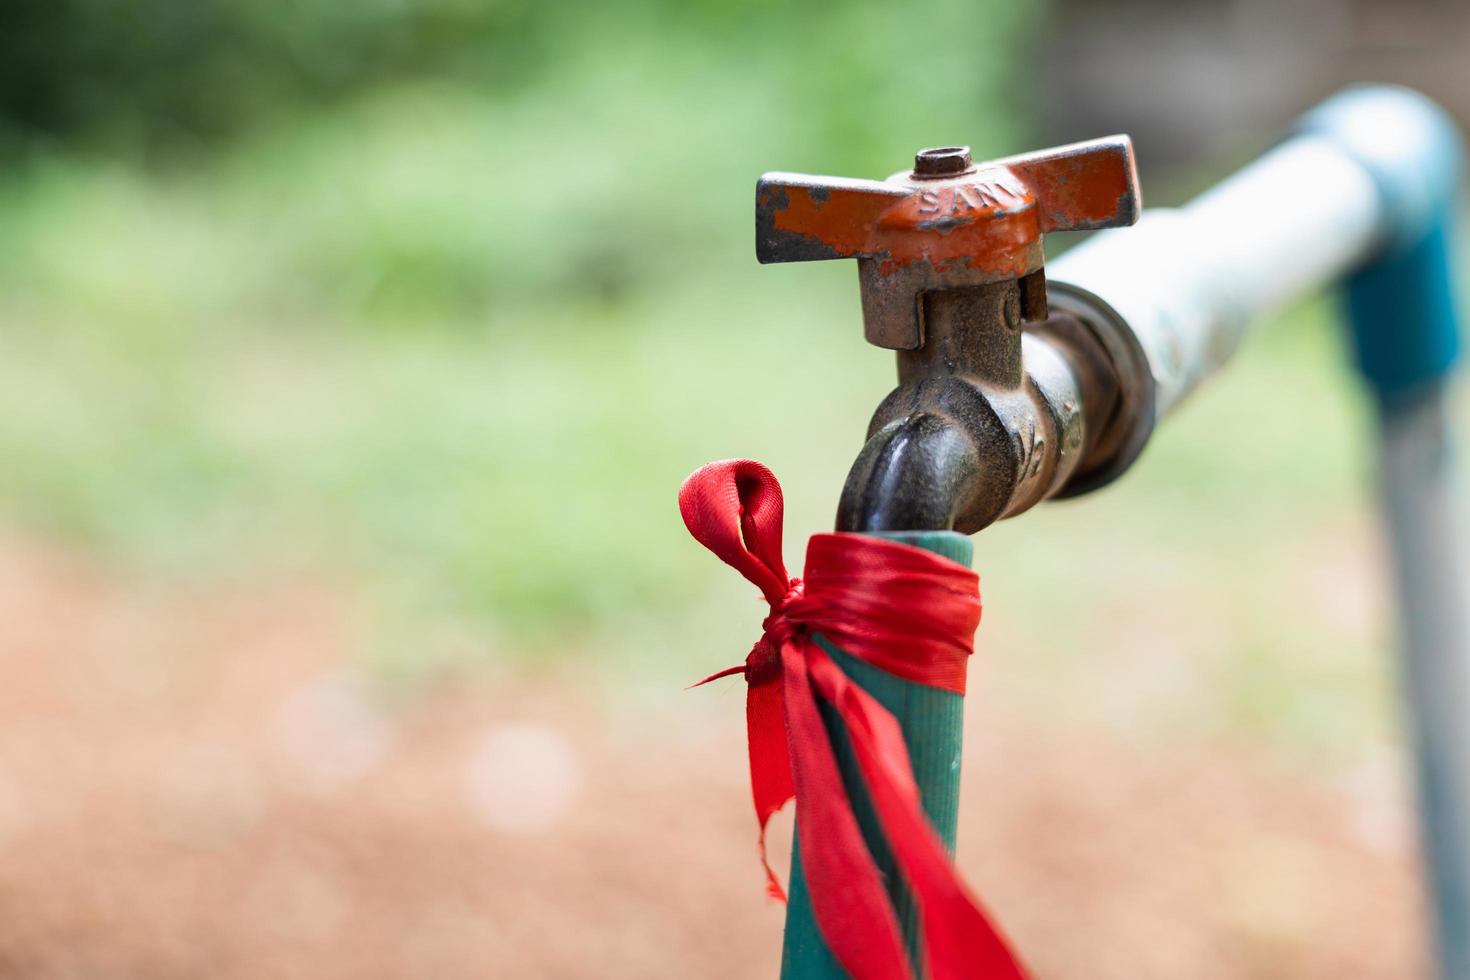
(904, 610)
(777, 628)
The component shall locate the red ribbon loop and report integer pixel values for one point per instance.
(904, 610)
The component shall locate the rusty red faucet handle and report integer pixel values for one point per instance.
(949, 222)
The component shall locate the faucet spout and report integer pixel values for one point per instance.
(992, 414)
(916, 473)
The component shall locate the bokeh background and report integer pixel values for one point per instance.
(351, 354)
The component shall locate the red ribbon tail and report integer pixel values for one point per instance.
(848, 899)
(727, 672)
(960, 941)
(770, 762)
(773, 884)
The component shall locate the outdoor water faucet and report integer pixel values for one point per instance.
(1013, 389)
(999, 405)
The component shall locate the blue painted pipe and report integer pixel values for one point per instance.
(1401, 305)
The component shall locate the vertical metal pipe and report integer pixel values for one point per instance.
(932, 720)
(1421, 504)
(1404, 327)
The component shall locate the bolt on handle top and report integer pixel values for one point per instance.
(947, 223)
(942, 161)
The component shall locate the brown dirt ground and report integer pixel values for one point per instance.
(197, 783)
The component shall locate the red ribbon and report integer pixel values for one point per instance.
(902, 609)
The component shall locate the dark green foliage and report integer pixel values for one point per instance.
(175, 72)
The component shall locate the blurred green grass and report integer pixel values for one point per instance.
(458, 347)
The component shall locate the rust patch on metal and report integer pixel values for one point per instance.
(1083, 186)
(981, 222)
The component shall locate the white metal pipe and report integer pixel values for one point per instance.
(1187, 282)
